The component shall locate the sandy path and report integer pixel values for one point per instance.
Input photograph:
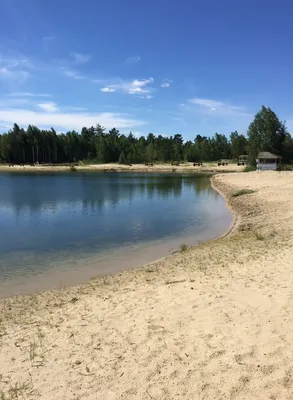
(214, 322)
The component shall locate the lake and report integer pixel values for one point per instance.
(64, 228)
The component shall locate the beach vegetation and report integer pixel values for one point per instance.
(183, 247)
(17, 391)
(242, 192)
(249, 168)
(259, 235)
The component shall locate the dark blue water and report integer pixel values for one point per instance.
(57, 220)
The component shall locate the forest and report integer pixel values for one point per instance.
(34, 145)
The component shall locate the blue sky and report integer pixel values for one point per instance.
(161, 66)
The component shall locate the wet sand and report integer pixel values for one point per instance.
(213, 322)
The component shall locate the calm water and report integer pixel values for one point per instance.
(68, 227)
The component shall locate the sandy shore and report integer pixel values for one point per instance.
(187, 167)
(214, 322)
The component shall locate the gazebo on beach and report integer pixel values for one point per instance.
(267, 161)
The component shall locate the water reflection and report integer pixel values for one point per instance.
(36, 193)
(56, 220)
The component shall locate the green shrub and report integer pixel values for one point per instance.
(183, 247)
(285, 167)
(249, 168)
(242, 192)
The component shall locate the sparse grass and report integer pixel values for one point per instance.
(242, 192)
(183, 247)
(32, 351)
(249, 168)
(259, 235)
(17, 391)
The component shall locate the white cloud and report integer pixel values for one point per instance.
(66, 120)
(28, 94)
(49, 107)
(217, 107)
(136, 87)
(72, 74)
(166, 83)
(80, 58)
(107, 90)
(14, 69)
(133, 60)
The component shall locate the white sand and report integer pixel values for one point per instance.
(214, 322)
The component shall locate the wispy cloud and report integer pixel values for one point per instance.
(63, 120)
(48, 107)
(14, 68)
(19, 76)
(166, 83)
(181, 119)
(133, 60)
(28, 94)
(80, 58)
(135, 87)
(217, 107)
(72, 74)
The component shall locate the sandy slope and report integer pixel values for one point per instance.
(214, 322)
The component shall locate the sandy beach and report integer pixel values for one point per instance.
(186, 167)
(212, 322)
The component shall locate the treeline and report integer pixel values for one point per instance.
(94, 143)
(34, 145)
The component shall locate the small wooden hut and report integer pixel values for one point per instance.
(267, 161)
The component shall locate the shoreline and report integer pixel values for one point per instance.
(209, 168)
(235, 216)
(214, 320)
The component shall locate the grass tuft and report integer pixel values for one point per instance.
(183, 247)
(259, 235)
(242, 192)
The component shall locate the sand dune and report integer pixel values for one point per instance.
(214, 322)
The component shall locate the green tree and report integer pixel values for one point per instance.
(288, 149)
(265, 133)
(177, 147)
(238, 144)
